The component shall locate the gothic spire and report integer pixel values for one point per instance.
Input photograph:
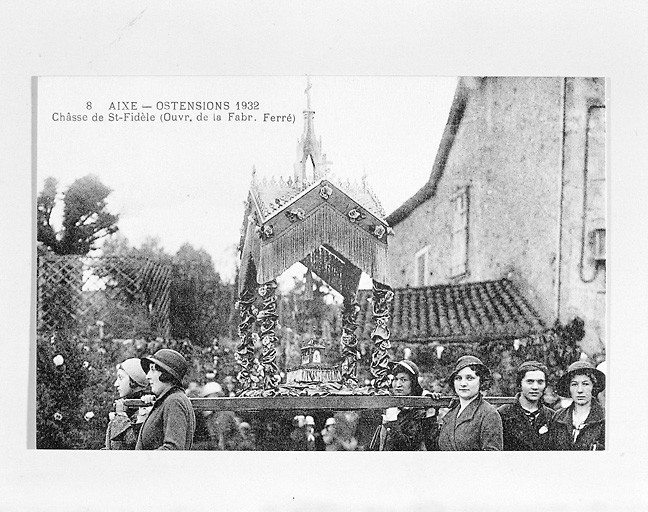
(309, 165)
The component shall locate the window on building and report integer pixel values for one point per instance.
(422, 267)
(459, 256)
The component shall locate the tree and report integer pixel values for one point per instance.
(85, 217)
(136, 279)
(200, 301)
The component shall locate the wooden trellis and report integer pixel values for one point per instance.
(73, 290)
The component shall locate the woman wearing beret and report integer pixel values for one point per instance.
(124, 425)
(581, 426)
(471, 424)
(171, 423)
(406, 429)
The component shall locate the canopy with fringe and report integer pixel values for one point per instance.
(324, 225)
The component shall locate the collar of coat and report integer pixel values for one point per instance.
(468, 413)
(521, 410)
(596, 414)
(168, 392)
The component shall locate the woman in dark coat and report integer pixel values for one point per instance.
(471, 424)
(581, 426)
(124, 425)
(406, 429)
(526, 421)
(171, 423)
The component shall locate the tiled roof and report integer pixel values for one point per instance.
(470, 312)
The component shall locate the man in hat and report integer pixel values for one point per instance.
(298, 435)
(171, 423)
(526, 422)
(207, 434)
(342, 431)
(309, 432)
(328, 432)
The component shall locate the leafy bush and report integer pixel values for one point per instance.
(557, 348)
(59, 387)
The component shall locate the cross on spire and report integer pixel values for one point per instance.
(309, 164)
(307, 92)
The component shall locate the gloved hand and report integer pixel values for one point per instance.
(391, 414)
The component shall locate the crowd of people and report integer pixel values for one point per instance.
(538, 418)
(473, 424)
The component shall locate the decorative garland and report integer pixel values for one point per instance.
(245, 351)
(382, 296)
(267, 318)
(349, 342)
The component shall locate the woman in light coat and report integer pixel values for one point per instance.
(471, 424)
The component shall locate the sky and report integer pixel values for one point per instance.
(187, 181)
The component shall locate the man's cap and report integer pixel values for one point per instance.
(212, 388)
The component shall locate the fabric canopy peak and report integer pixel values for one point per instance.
(292, 220)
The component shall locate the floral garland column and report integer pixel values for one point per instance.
(245, 351)
(349, 342)
(267, 318)
(382, 296)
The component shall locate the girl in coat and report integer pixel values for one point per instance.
(125, 424)
(471, 424)
(581, 426)
(408, 428)
(171, 423)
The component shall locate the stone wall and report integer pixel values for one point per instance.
(582, 287)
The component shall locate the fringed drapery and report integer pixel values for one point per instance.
(304, 375)
(323, 226)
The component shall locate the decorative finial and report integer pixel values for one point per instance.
(308, 166)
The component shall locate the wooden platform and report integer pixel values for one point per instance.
(328, 402)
